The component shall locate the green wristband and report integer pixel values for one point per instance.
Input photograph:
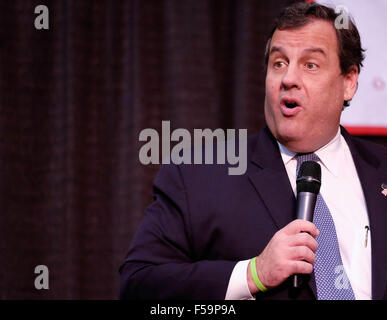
(254, 273)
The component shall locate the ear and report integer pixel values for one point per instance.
(350, 82)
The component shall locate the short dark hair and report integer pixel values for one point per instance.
(301, 13)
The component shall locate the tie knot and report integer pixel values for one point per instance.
(302, 157)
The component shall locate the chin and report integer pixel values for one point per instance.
(294, 140)
(288, 134)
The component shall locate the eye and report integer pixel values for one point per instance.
(311, 66)
(279, 64)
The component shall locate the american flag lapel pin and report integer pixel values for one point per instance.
(384, 189)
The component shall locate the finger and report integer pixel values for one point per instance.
(297, 226)
(302, 253)
(301, 267)
(303, 239)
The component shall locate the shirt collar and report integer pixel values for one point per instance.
(329, 154)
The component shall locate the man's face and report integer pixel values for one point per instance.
(305, 89)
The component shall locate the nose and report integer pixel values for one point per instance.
(291, 78)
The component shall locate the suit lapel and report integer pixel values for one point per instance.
(371, 177)
(271, 181)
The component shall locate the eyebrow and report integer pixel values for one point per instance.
(276, 49)
(307, 50)
(313, 50)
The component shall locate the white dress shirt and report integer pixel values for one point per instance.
(343, 194)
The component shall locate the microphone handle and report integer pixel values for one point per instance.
(296, 281)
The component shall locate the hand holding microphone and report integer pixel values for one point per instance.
(291, 250)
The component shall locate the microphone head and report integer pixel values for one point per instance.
(309, 177)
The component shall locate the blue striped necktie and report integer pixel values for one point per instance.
(331, 279)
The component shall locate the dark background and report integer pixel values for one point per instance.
(73, 100)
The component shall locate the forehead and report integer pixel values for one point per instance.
(317, 33)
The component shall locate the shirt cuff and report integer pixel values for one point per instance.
(238, 288)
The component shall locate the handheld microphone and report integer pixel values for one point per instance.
(308, 186)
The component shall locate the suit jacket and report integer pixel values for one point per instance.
(203, 221)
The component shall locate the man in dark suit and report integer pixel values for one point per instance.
(209, 235)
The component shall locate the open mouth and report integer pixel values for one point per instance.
(291, 105)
